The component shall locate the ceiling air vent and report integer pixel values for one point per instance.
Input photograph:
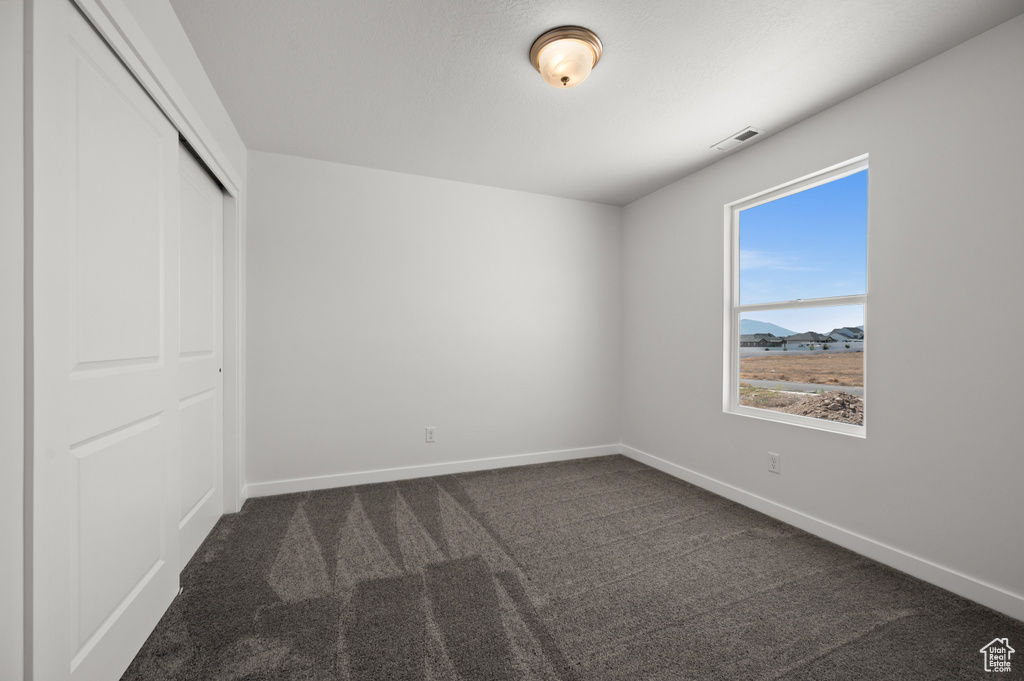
(739, 138)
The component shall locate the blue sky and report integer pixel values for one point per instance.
(812, 244)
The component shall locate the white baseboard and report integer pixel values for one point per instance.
(263, 489)
(951, 580)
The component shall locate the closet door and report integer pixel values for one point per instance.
(199, 352)
(105, 488)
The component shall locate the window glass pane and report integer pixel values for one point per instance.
(808, 361)
(812, 244)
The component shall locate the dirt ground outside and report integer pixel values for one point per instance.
(834, 405)
(844, 368)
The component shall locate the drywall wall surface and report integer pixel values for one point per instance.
(939, 475)
(12, 329)
(381, 303)
(163, 30)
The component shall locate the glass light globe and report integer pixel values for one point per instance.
(566, 63)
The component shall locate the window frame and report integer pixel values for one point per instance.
(733, 309)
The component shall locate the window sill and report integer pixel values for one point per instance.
(801, 421)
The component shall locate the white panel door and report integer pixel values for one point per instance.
(105, 502)
(200, 377)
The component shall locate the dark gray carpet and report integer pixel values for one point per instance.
(591, 569)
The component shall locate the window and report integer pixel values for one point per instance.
(796, 301)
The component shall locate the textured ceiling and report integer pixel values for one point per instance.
(446, 89)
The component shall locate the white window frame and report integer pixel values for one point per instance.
(733, 309)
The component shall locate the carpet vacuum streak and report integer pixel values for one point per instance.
(594, 569)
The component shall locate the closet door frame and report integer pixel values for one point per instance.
(112, 20)
(105, 336)
(127, 41)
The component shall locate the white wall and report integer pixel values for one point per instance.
(381, 303)
(939, 476)
(12, 202)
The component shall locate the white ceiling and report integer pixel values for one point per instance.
(445, 88)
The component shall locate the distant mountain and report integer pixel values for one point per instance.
(754, 326)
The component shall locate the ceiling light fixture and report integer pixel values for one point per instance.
(566, 55)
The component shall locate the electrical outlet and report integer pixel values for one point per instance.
(431, 433)
(774, 463)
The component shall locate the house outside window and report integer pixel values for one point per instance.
(796, 300)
